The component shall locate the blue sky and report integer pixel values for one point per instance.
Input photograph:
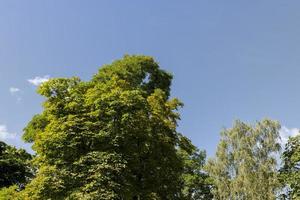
(230, 59)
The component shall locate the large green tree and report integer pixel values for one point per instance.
(290, 171)
(245, 162)
(15, 166)
(113, 137)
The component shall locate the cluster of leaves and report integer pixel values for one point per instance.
(14, 166)
(290, 171)
(197, 184)
(15, 170)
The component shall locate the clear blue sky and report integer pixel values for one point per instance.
(230, 59)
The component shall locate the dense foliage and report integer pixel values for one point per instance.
(14, 166)
(197, 184)
(245, 163)
(113, 137)
(290, 171)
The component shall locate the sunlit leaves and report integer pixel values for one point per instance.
(245, 162)
(113, 137)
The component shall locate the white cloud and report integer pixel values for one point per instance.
(4, 134)
(285, 133)
(14, 90)
(38, 80)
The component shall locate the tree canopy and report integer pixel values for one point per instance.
(245, 162)
(14, 166)
(113, 137)
(290, 171)
(197, 184)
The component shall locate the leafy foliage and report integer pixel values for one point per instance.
(290, 172)
(10, 193)
(14, 166)
(34, 127)
(113, 137)
(245, 163)
(197, 184)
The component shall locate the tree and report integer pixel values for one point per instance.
(14, 166)
(245, 163)
(196, 183)
(290, 171)
(113, 137)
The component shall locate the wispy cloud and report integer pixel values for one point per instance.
(4, 134)
(285, 133)
(38, 80)
(14, 90)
